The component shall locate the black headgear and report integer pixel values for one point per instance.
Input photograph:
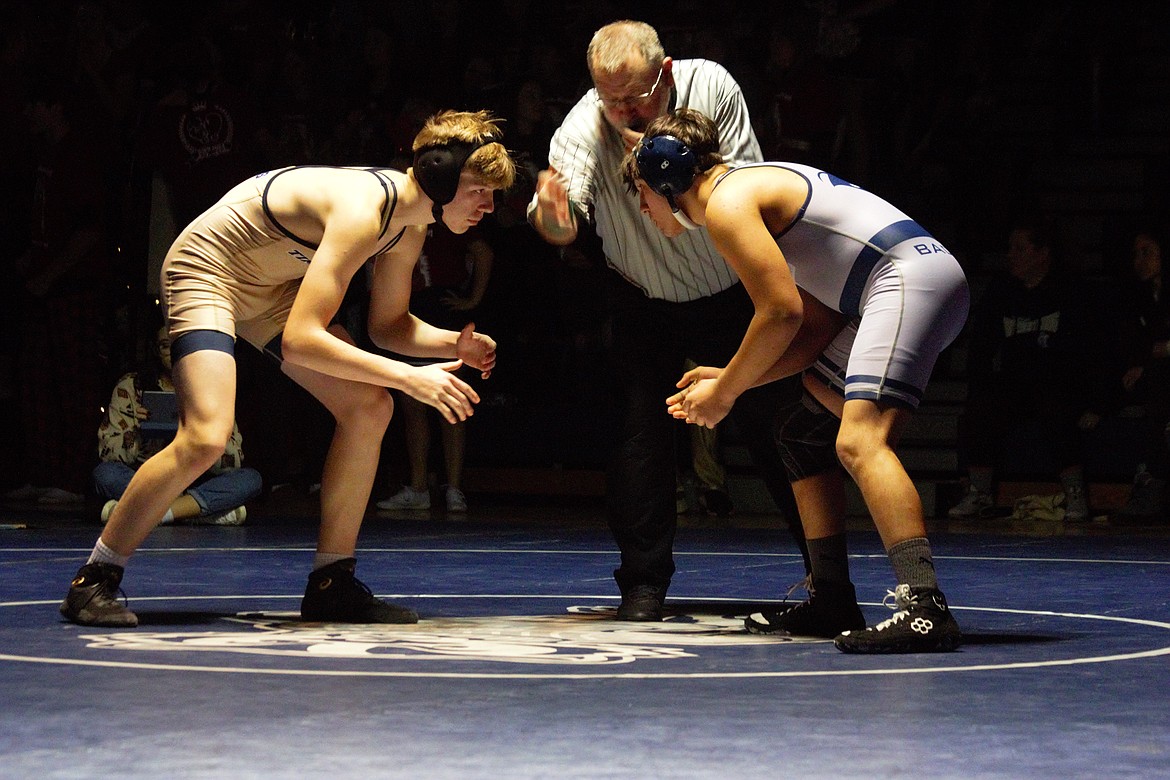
(437, 169)
(667, 165)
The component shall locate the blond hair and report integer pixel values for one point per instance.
(490, 162)
(609, 51)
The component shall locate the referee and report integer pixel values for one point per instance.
(669, 300)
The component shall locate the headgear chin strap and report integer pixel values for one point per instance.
(681, 217)
(668, 166)
(437, 170)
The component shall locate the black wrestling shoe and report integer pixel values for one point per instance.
(922, 624)
(642, 603)
(93, 598)
(335, 595)
(825, 613)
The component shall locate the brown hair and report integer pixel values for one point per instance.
(690, 127)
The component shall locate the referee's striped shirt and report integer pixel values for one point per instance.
(588, 152)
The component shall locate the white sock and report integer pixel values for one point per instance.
(103, 554)
(168, 518)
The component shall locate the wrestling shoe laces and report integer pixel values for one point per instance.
(806, 585)
(900, 599)
(826, 612)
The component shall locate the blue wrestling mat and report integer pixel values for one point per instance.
(517, 669)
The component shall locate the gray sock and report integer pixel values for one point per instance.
(321, 560)
(913, 563)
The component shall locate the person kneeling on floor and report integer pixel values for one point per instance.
(135, 427)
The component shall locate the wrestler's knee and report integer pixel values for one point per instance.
(856, 446)
(369, 406)
(201, 445)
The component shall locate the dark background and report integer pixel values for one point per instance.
(964, 114)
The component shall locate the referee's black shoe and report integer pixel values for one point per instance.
(642, 603)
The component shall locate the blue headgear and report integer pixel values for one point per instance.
(437, 169)
(667, 165)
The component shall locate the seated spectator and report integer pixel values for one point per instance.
(1145, 348)
(61, 288)
(1035, 356)
(124, 444)
(449, 283)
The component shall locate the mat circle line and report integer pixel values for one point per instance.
(1152, 653)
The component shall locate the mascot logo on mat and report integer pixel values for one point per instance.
(585, 636)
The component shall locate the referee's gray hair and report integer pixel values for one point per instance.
(610, 48)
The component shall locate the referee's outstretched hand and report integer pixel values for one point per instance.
(554, 217)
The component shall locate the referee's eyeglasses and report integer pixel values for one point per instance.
(630, 101)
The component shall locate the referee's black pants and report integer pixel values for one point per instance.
(650, 341)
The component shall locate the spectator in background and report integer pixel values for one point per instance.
(448, 285)
(368, 105)
(803, 115)
(291, 129)
(17, 173)
(550, 66)
(481, 85)
(531, 125)
(521, 305)
(1145, 349)
(1037, 353)
(111, 43)
(407, 121)
(203, 136)
(63, 280)
(216, 498)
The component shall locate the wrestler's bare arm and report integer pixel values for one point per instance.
(736, 219)
(772, 198)
(350, 236)
(391, 325)
(743, 239)
(818, 328)
(350, 227)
